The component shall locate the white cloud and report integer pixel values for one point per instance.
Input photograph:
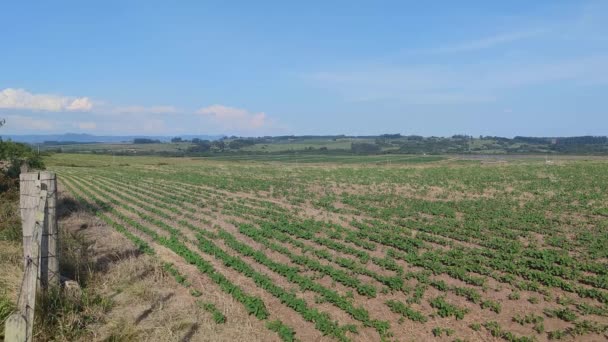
(103, 116)
(82, 104)
(11, 98)
(236, 119)
(26, 123)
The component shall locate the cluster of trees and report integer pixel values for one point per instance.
(12, 156)
(416, 144)
(240, 143)
(202, 146)
(390, 143)
(493, 144)
(145, 141)
(531, 140)
(584, 140)
(433, 145)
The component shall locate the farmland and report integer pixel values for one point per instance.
(364, 249)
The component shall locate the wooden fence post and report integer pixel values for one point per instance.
(37, 203)
(30, 185)
(49, 263)
(15, 328)
(29, 188)
(27, 298)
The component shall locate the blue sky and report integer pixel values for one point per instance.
(328, 67)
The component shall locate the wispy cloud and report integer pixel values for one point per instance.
(144, 110)
(11, 98)
(476, 83)
(154, 126)
(585, 70)
(30, 123)
(236, 119)
(86, 126)
(558, 50)
(427, 84)
(488, 42)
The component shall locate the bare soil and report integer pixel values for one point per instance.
(148, 304)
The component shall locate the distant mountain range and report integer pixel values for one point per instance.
(88, 138)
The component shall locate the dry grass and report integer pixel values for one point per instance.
(140, 301)
(10, 264)
(123, 293)
(10, 251)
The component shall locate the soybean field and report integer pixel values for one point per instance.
(419, 249)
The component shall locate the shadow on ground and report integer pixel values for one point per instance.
(68, 207)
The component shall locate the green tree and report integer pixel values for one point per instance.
(219, 145)
(200, 146)
(16, 154)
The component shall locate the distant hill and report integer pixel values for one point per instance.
(88, 138)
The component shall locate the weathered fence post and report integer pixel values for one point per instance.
(29, 188)
(37, 203)
(15, 328)
(49, 263)
(31, 184)
(19, 326)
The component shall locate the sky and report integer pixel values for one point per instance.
(252, 68)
